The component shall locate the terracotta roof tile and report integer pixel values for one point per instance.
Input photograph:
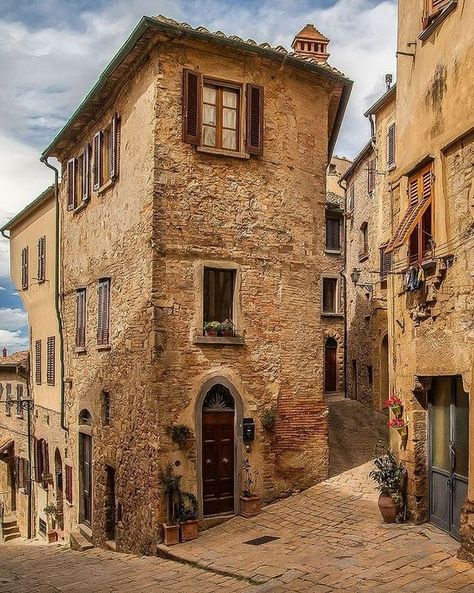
(310, 32)
(15, 358)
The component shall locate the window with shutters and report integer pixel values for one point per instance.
(68, 484)
(420, 244)
(23, 473)
(41, 461)
(50, 360)
(38, 362)
(103, 313)
(350, 198)
(219, 289)
(24, 268)
(212, 115)
(42, 259)
(391, 146)
(81, 319)
(8, 399)
(106, 156)
(434, 12)
(364, 241)
(385, 264)
(371, 176)
(19, 400)
(333, 233)
(331, 296)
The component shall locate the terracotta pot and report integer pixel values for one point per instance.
(250, 505)
(52, 536)
(210, 332)
(189, 530)
(170, 534)
(389, 509)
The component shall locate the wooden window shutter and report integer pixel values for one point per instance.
(86, 173)
(254, 117)
(391, 146)
(371, 176)
(38, 362)
(37, 451)
(103, 310)
(19, 398)
(71, 184)
(68, 489)
(81, 318)
(45, 455)
(97, 161)
(192, 106)
(50, 360)
(113, 147)
(42, 259)
(24, 268)
(413, 191)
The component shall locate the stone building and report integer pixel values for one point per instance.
(430, 289)
(191, 197)
(368, 230)
(14, 453)
(33, 269)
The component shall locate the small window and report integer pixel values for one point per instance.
(19, 400)
(81, 318)
(68, 489)
(369, 374)
(105, 157)
(85, 418)
(24, 268)
(51, 360)
(103, 313)
(391, 146)
(219, 287)
(220, 116)
(370, 176)
(42, 259)
(333, 232)
(331, 295)
(364, 240)
(41, 461)
(385, 263)
(105, 407)
(8, 399)
(350, 197)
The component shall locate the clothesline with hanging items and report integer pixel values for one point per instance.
(414, 278)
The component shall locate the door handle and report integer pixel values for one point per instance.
(208, 461)
(225, 460)
(452, 451)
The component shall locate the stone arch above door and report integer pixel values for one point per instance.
(330, 333)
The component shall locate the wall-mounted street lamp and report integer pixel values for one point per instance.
(355, 277)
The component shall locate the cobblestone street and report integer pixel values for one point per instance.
(330, 538)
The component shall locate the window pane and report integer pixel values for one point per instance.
(218, 294)
(230, 118)
(229, 139)
(461, 423)
(209, 114)
(209, 94)
(333, 233)
(440, 402)
(230, 98)
(208, 136)
(329, 295)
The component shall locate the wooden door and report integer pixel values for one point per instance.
(330, 368)
(218, 462)
(85, 461)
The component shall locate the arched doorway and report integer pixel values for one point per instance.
(330, 365)
(58, 478)
(218, 451)
(85, 468)
(384, 380)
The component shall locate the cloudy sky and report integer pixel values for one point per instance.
(52, 51)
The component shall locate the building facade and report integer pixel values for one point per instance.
(193, 188)
(431, 285)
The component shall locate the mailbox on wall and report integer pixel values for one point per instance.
(248, 429)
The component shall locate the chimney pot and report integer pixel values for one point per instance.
(4, 352)
(311, 43)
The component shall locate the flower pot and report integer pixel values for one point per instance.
(389, 509)
(52, 536)
(396, 410)
(402, 431)
(250, 505)
(210, 332)
(189, 530)
(170, 534)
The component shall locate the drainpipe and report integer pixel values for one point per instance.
(344, 281)
(57, 300)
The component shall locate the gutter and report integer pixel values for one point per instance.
(57, 303)
(344, 279)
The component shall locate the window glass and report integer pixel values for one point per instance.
(219, 287)
(329, 295)
(220, 117)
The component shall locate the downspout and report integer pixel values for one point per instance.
(57, 300)
(30, 457)
(344, 280)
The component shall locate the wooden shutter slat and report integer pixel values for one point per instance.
(24, 268)
(38, 362)
(80, 318)
(41, 258)
(254, 118)
(50, 360)
(113, 149)
(391, 145)
(97, 161)
(86, 173)
(192, 106)
(71, 184)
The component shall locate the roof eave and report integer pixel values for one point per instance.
(381, 102)
(28, 209)
(365, 151)
(341, 110)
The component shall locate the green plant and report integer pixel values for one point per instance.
(389, 475)
(226, 328)
(171, 486)
(213, 326)
(269, 418)
(188, 507)
(249, 479)
(179, 433)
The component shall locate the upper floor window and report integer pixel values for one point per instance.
(41, 461)
(38, 362)
(433, 8)
(79, 179)
(364, 240)
(8, 399)
(385, 263)
(19, 400)
(212, 114)
(103, 313)
(42, 259)
(434, 12)
(331, 296)
(370, 175)
(333, 232)
(24, 268)
(51, 360)
(105, 155)
(218, 300)
(350, 195)
(81, 318)
(391, 146)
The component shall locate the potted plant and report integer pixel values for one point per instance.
(51, 513)
(399, 425)
(179, 433)
(211, 328)
(171, 486)
(390, 476)
(395, 404)
(250, 503)
(269, 418)
(187, 516)
(227, 328)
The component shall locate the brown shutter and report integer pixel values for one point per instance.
(38, 362)
(71, 184)
(80, 318)
(254, 116)
(68, 490)
(19, 397)
(391, 145)
(86, 173)
(97, 161)
(24, 268)
(50, 360)
(413, 191)
(38, 465)
(41, 258)
(45, 457)
(192, 106)
(103, 319)
(113, 148)
(371, 176)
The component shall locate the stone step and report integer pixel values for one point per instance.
(9, 536)
(78, 542)
(11, 529)
(7, 523)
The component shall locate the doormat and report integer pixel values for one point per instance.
(258, 541)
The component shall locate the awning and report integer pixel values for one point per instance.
(8, 444)
(409, 221)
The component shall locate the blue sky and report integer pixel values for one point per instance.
(52, 51)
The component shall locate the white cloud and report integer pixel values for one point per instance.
(12, 319)
(2, 288)
(13, 341)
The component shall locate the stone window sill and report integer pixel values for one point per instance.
(85, 529)
(103, 188)
(81, 206)
(223, 152)
(363, 256)
(437, 20)
(220, 340)
(328, 314)
(333, 251)
(80, 350)
(101, 347)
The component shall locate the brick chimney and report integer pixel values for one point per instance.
(310, 43)
(4, 352)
